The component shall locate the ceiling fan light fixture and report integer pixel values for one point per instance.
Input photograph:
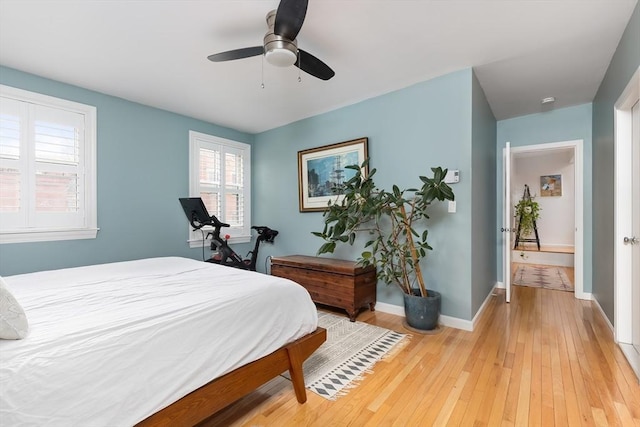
(279, 51)
(281, 57)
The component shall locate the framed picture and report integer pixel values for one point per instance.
(550, 185)
(322, 170)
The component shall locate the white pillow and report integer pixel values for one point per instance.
(13, 321)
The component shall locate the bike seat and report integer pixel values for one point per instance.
(266, 233)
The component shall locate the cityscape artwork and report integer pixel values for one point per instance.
(323, 170)
(326, 175)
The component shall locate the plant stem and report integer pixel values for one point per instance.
(414, 253)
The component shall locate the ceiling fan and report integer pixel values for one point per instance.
(280, 47)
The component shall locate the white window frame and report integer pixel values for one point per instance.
(87, 228)
(199, 141)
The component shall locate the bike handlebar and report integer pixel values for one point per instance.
(213, 221)
(264, 233)
(217, 223)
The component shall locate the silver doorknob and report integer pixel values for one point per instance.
(631, 240)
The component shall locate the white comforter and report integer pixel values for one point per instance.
(111, 344)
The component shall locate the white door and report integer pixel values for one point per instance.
(506, 220)
(627, 227)
(635, 216)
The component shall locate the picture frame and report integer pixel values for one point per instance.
(322, 169)
(551, 185)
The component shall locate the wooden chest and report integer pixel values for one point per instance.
(334, 282)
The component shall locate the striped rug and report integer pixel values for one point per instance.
(350, 352)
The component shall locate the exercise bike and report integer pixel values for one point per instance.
(227, 256)
(199, 217)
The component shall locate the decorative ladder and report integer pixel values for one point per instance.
(526, 196)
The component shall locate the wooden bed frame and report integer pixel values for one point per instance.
(212, 397)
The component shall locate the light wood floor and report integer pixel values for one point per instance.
(545, 359)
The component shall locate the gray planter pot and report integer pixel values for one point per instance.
(422, 312)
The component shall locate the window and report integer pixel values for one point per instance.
(47, 168)
(220, 173)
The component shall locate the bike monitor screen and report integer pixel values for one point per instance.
(195, 210)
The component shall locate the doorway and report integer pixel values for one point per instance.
(567, 156)
(627, 222)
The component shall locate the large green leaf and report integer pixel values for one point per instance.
(328, 247)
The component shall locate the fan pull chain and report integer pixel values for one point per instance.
(299, 78)
(262, 74)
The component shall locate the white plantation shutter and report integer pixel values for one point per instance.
(234, 186)
(210, 179)
(11, 182)
(58, 197)
(220, 174)
(47, 168)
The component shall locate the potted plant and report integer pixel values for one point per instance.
(527, 212)
(391, 220)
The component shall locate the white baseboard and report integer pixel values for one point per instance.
(455, 322)
(632, 357)
(587, 296)
(604, 316)
(500, 285)
(384, 307)
(627, 349)
(484, 305)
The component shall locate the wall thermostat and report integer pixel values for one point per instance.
(453, 176)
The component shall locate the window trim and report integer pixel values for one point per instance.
(90, 228)
(196, 140)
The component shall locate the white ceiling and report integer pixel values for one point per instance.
(155, 51)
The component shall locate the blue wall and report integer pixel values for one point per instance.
(483, 168)
(142, 170)
(409, 131)
(564, 124)
(624, 63)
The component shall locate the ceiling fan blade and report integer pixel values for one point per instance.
(289, 18)
(312, 65)
(236, 54)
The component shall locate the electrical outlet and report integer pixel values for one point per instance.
(452, 206)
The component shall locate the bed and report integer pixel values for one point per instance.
(160, 341)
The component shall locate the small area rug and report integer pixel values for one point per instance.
(351, 350)
(542, 276)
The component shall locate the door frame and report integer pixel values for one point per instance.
(622, 306)
(578, 165)
(507, 219)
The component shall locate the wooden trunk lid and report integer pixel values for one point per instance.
(329, 265)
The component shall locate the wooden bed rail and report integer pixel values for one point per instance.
(219, 393)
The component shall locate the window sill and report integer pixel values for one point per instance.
(47, 235)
